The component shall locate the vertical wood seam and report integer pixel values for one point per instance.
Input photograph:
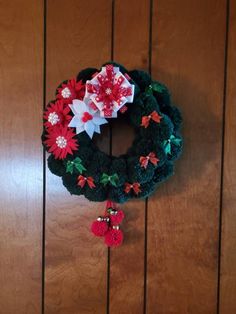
(145, 257)
(112, 28)
(44, 153)
(150, 38)
(222, 152)
(146, 200)
(110, 149)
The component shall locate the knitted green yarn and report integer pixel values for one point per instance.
(163, 139)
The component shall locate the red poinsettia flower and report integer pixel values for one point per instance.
(57, 114)
(61, 142)
(71, 90)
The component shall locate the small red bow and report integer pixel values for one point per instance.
(82, 180)
(145, 160)
(135, 187)
(152, 116)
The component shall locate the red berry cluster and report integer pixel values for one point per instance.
(107, 226)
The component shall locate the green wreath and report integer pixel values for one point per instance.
(81, 107)
(84, 168)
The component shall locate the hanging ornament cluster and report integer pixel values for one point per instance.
(81, 108)
(108, 226)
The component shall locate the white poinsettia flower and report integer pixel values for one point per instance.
(85, 119)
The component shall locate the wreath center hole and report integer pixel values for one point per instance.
(122, 137)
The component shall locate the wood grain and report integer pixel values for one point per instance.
(188, 55)
(21, 156)
(131, 42)
(79, 36)
(188, 51)
(228, 251)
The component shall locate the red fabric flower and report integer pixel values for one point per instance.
(152, 116)
(114, 237)
(144, 160)
(60, 142)
(57, 114)
(117, 217)
(71, 90)
(99, 228)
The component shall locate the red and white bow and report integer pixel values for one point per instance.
(152, 116)
(83, 180)
(144, 160)
(134, 186)
(109, 90)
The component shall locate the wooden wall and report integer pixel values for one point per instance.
(179, 254)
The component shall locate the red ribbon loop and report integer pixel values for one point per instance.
(153, 116)
(82, 181)
(151, 157)
(110, 204)
(134, 186)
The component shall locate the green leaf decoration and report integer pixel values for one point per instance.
(155, 86)
(167, 147)
(113, 179)
(75, 164)
(69, 167)
(172, 140)
(148, 90)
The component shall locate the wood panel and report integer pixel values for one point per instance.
(188, 55)
(78, 36)
(127, 262)
(228, 252)
(21, 83)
